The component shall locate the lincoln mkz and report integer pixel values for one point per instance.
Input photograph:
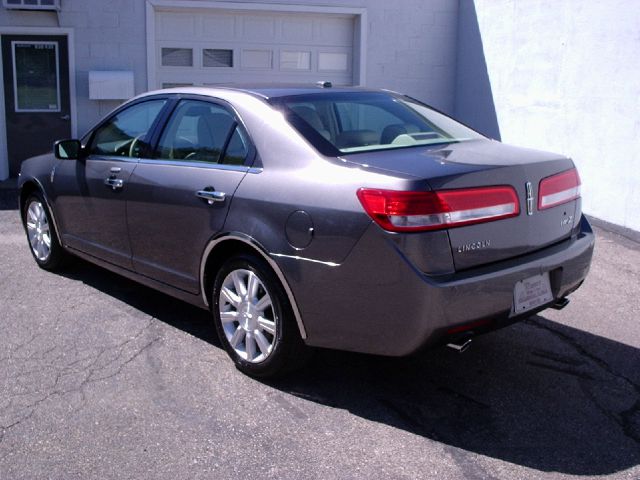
(312, 216)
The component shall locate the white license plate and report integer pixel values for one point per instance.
(531, 293)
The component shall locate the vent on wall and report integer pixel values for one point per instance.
(32, 4)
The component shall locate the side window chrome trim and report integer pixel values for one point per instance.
(113, 158)
(193, 164)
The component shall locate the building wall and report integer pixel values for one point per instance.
(410, 49)
(560, 76)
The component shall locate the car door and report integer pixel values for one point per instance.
(90, 193)
(179, 199)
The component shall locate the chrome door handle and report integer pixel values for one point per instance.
(211, 196)
(65, 117)
(114, 183)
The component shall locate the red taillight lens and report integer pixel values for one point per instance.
(558, 189)
(401, 211)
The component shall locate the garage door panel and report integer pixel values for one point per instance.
(218, 27)
(175, 26)
(256, 59)
(259, 29)
(338, 31)
(297, 30)
(231, 47)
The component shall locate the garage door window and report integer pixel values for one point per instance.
(295, 60)
(333, 62)
(216, 57)
(257, 59)
(177, 57)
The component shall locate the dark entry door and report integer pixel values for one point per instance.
(36, 94)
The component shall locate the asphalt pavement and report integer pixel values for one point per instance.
(102, 378)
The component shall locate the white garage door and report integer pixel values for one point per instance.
(211, 48)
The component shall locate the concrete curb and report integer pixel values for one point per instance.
(627, 233)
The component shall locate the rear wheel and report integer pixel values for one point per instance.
(254, 319)
(41, 233)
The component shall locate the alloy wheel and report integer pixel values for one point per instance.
(247, 315)
(38, 231)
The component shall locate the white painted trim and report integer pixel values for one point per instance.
(151, 46)
(68, 32)
(360, 27)
(264, 7)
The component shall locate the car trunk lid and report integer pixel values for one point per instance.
(485, 163)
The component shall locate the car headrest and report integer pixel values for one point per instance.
(356, 138)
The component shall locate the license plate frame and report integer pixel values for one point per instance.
(530, 293)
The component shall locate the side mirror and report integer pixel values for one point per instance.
(67, 149)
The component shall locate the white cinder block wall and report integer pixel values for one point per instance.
(564, 76)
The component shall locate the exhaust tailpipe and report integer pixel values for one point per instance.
(461, 344)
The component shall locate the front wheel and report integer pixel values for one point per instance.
(41, 233)
(254, 319)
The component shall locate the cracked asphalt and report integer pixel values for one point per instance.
(102, 378)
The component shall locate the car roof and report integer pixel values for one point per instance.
(267, 91)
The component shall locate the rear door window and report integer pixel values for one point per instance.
(199, 132)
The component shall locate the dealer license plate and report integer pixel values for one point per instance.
(531, 293)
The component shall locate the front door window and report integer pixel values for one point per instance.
(36, 85)
(125, 133)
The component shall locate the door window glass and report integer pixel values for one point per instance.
(197, 132)
(36, 86)
(125, 133)
(238, 148)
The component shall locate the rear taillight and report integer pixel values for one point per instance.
(401, 211)
(558, 189)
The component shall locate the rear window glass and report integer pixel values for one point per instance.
(350, 122)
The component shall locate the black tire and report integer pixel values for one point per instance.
(57, 256)
(288, 351)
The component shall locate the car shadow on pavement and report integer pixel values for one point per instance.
(537, 394)
(8, 199)
(188, 318)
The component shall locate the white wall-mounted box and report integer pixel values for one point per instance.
(110, 85)
(32, 4)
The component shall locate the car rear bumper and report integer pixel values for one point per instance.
(379, 302)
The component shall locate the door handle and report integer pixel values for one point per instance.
(114, 183)
(211, 196)
(65, 117)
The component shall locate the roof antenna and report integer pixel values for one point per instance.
(324, 84)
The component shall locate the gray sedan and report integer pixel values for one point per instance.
(310, 216)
